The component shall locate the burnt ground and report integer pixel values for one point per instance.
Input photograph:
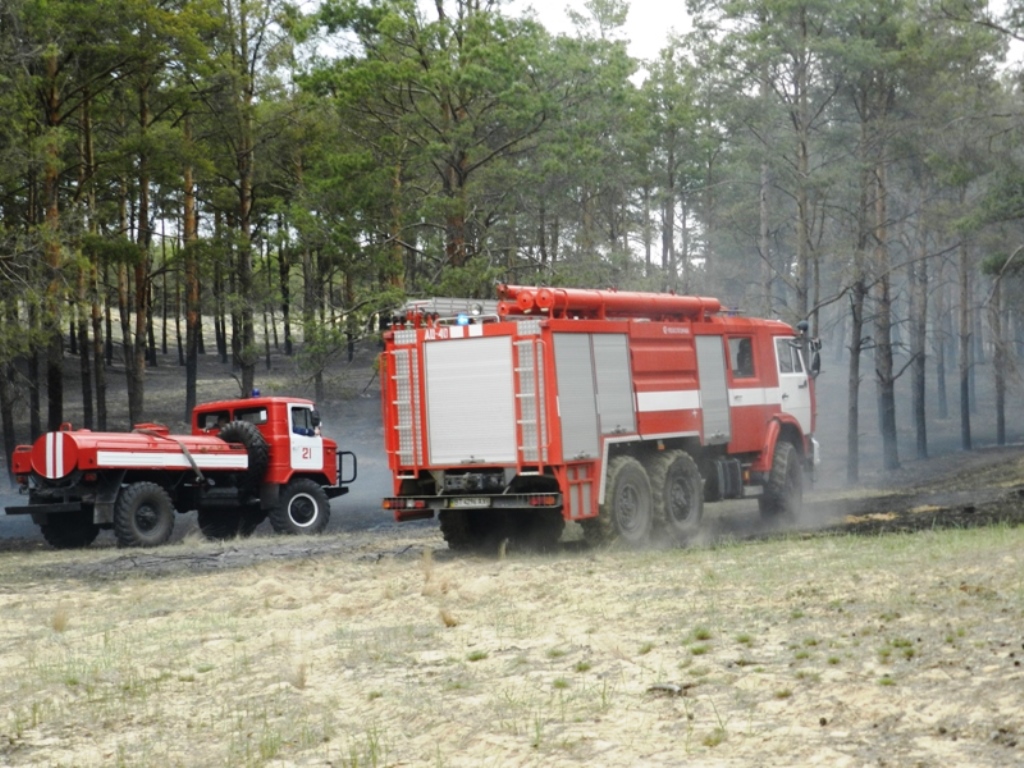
(961, 490)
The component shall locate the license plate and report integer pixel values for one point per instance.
(469, 501)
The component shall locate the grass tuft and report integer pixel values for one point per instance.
(61, 619)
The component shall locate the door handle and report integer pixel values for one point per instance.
(785, 396)
(803, 386)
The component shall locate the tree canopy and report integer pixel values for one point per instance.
(249, 163)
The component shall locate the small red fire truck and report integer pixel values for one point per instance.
(624, 412)
(245, 460)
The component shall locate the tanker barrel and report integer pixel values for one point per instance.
(624, 303)
(506, 308)
(508, 292)
(525, 300)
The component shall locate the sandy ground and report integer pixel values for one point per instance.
(359, 649)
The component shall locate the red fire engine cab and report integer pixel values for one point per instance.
(245, 460)
(623, 412)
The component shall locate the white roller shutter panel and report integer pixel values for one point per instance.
(470, 401)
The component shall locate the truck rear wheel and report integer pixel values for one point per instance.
(220, 525)
(475, 530)
(303, 507)
(456, 530)
(678, 493)
(143, 515)
(628, 510)
(255, 446)
(783, 494)
(538, 530)
(70, 531)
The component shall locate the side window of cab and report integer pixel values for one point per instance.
(788, 351)
(305, 421)
(741, 357)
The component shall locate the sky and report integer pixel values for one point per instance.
(648, 23)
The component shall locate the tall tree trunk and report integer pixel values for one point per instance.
(245, 165)
(396, 269)
(143, 266)
(857, 297)
(668, 222)
(53, 252)
(84, 347)
(7, 423)
(99, 371)
(83, 270)
(193, 319)
(998, 359)
(163, 288)
(108, 318)
(764, 240)
(99, 342)
(944, 328)
(884, 372)
(646, 228)
(284, 268)
(179, 340)
(918, 276)
(977, 351)
(965, 344)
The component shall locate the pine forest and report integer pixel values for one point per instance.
(227, 177)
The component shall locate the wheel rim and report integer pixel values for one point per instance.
(302, 510)
(147, 518)
(679, 507)
(628, 509)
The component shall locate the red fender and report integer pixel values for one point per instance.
(771, 437)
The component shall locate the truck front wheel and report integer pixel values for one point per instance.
(303, 507)
(70, 531)
(143, 515)
(783, 494)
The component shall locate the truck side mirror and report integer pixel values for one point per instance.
(815, 364)
(314, 418)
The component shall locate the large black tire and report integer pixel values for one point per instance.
(678, 491)
(456, 530)
(302, 508)
(628, 510)
(221, 524)
(537, 530)
(70, 531)
(474, 530)
(143, 515)
(783, 496)
(256, 447)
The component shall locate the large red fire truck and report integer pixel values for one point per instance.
(624, 412)
(245, 460)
